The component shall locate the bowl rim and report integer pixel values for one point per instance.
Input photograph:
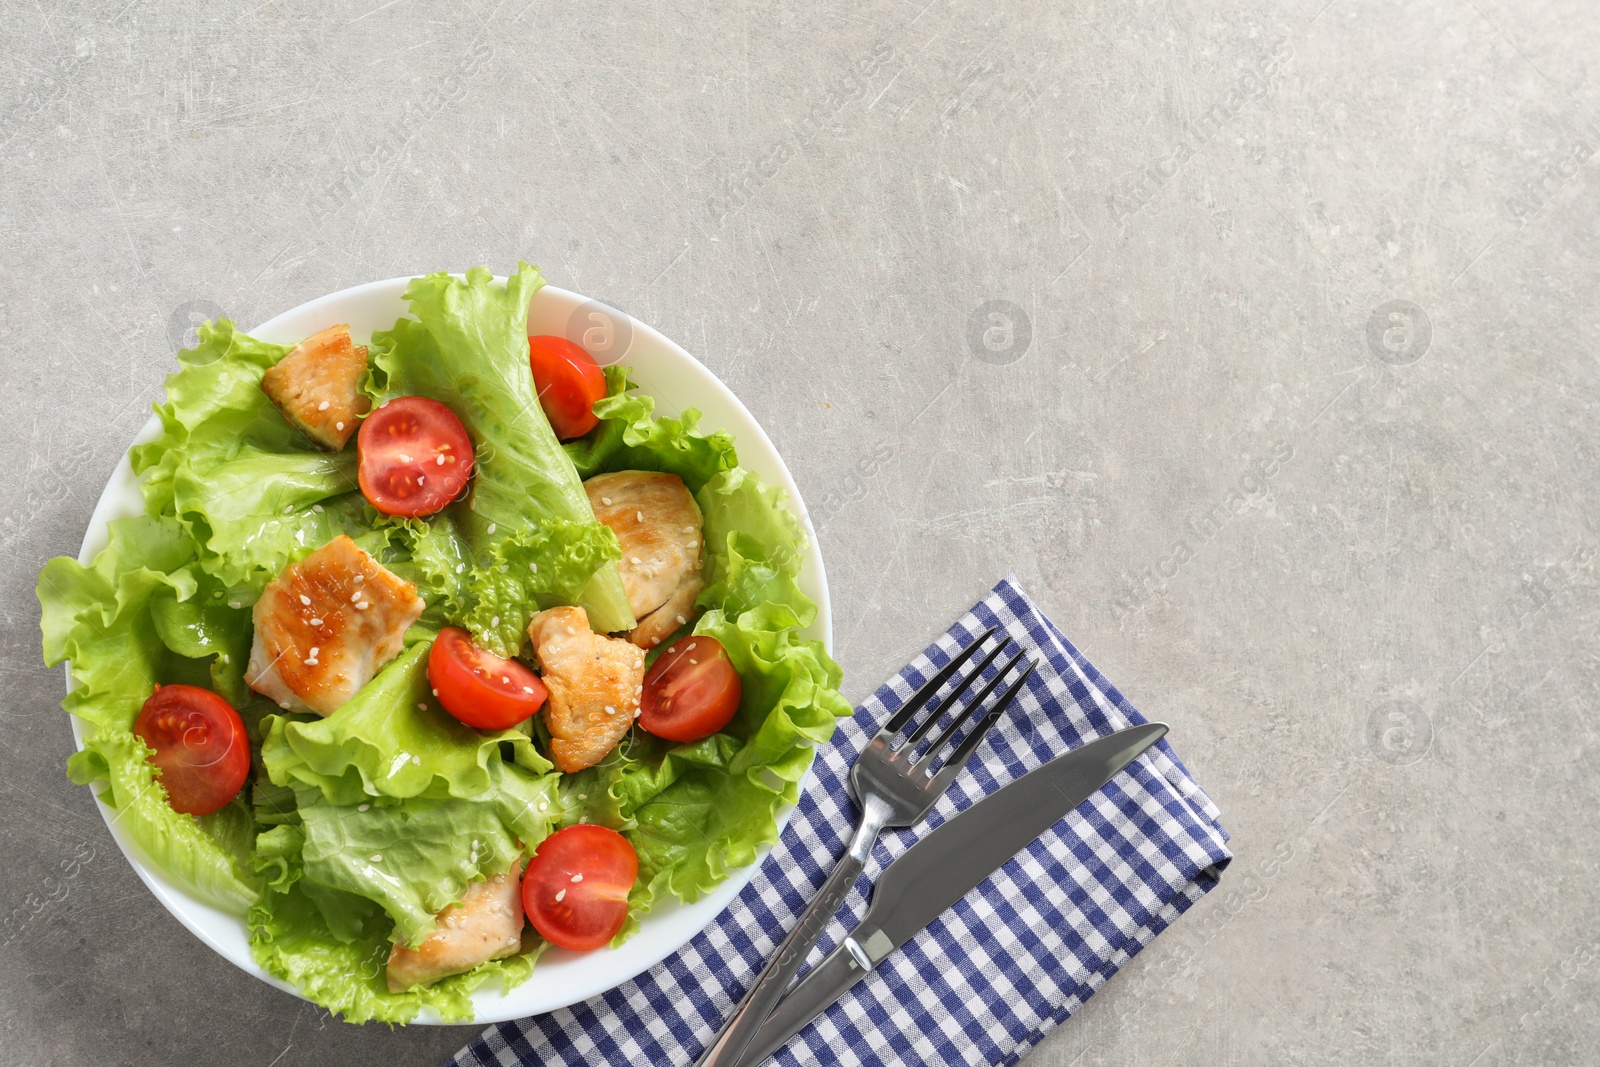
(490, 1001)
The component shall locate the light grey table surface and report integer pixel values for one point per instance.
(1259, 341)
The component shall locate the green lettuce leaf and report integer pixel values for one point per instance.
(530, 535)
(176, 844)
(252, 490)
(703, 809)
(206, 626)
(436, 559)
(100, 618)
(630, 438)
(392, 739)
(289, 938)
(428, 851)
(753, 544)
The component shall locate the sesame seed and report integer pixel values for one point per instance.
(311, 661)
(610, 710)
(355, 596)
(338, 426)
(315, 622)
(693, 660)
(605, 500)
(577, 877)
(682, 620)
(633, 560)
(439, 459)
(284, 704)
(504, 680)
(363, 807)
(422, 707)
(581, 818)
(694, 544)
(544, 806)
(435, 692)
(691, 646)
(314, 651)
(322, 406)
(461, 568)
(495, 621)
(317, 508)
(583, 796)
(527, 689)
(534, 567)
(363, 605)
(654, 641)
(493, 526)
(671, 649)
(358, 579)
(305, 600)
(562, 895)
(638, 516)
(405, 458)
(421, 479)
(377, 857)
(217, 595)
(234, 604)
(288, 509)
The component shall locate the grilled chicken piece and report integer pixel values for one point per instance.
(595, 683)
(666, 620)
(317, 386)
(326, 625)
(486, 925)
(658, 525)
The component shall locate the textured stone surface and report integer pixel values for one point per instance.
(1351, 559)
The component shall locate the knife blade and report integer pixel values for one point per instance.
(944, 866)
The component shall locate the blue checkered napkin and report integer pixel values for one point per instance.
(989, 977)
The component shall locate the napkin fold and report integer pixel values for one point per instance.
(991, 976)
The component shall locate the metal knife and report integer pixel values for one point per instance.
(941, 868)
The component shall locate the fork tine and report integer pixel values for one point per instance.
(967, 680)
(958, 758)
(970, 711)
(920, 698)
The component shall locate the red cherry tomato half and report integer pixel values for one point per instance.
(200, 747)
(415, 457)
(691, 691)
(575, 890)
(478, 687)
(569, 382)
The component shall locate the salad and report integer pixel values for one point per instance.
(431, 653)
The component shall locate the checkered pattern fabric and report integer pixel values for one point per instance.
(992, 975)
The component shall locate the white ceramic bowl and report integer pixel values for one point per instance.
(677, 381)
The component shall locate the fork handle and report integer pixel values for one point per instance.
(770, 986)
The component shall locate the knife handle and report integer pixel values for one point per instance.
(780, 970)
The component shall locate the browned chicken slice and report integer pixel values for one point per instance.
(666, 620)
(486, 925)
(658, 525)
(326, 625)
(595, 683)
(317, 386)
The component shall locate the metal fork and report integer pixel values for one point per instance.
(894, 785)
